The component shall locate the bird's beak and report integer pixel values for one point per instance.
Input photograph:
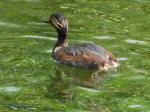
(46, 21)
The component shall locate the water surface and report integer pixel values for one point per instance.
(30, 80)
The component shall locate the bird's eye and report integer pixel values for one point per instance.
(61, 18)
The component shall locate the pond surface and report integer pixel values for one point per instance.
(30, 80)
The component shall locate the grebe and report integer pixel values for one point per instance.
(85, 55)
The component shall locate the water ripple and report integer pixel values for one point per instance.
(10, 89)
(49, 51)
(37, 23)
(135, 106)
(6, 24)
(131, 41)
(104, 37)
(122, 59)
(89, 89)
(39, 37)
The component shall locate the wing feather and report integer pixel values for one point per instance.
(85, 55)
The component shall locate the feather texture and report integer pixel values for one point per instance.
(84, 55)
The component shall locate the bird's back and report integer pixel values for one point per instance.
(84, 55)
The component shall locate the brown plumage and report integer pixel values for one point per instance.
(81, 55)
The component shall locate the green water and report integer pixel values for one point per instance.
(30, 80)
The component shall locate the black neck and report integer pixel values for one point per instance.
(62, 38)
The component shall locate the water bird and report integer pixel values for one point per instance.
(84, 55)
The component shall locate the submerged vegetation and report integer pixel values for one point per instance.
(30, 80)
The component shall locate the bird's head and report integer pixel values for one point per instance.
(59, 22)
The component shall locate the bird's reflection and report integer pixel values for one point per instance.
(67, 78)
